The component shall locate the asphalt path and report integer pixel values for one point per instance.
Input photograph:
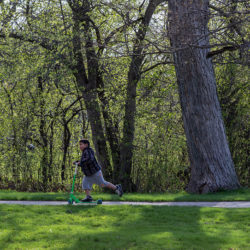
(222, 204)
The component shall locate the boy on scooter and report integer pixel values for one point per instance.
(93, 172)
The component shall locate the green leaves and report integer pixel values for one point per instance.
(36, 43)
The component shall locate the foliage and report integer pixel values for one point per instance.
(41, 103)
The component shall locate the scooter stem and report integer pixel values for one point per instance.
(74, 178)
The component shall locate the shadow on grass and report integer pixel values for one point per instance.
(242, 194)
(123, 227)
(12, 225)
(153, 228)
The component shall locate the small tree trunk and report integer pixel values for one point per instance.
(212, 167)
(134, 76)
(15, 173)
(112, 132)
(43, 134)
(66, 141)
(51, 148)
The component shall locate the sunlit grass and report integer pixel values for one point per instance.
(123, 227)
(237, 195)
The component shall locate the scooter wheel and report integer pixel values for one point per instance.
(70, 202)
(99, 201)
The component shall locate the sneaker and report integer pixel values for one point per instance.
(119, 190)
(87, 199)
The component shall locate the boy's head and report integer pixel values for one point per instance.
(83, 144)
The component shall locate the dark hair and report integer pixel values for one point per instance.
(85, 142)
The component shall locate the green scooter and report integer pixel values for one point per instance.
(73, 199)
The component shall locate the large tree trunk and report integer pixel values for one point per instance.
(212, 167)
(94, 116)
(130, 105)
(88, 87)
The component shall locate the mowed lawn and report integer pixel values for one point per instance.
(123, 227)
(242, 194)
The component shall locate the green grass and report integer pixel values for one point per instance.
(123, 227)
(242, 194)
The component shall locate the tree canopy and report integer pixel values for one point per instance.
(108, 71)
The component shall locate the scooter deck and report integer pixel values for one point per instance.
(90, 202)
(77, 201)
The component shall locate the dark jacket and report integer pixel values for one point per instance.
(88, 162)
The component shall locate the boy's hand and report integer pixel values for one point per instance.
(76, 162)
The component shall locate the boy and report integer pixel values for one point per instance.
(93, 172)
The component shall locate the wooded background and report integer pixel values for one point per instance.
(153, 84)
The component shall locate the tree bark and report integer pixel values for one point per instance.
(87, 84)
(14, 140)
(130, 105)
(212, 167)
(112, 132)
(44, 137)
(66, 143)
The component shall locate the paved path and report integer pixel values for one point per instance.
(225, 204)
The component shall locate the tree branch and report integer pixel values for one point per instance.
(227, 48)
(43, 44)
(155, 65)
(112, 33)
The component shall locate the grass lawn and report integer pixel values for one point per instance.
(242, 194)
(123, 227)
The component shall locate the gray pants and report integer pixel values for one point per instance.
(97, 178)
